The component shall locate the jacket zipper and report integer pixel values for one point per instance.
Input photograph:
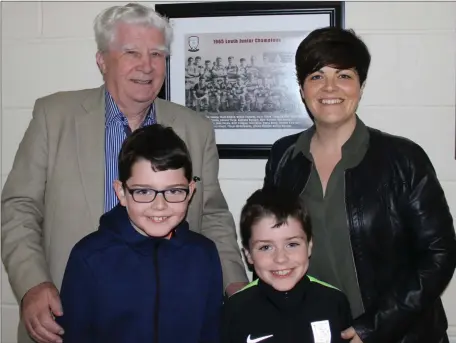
(349, 222)
(157, 294)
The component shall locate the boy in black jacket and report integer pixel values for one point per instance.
(285, 304)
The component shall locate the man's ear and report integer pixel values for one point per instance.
(120, 192)
(309, 248)
(101, 62)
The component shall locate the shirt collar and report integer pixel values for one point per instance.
(113, 113)
(358, 140)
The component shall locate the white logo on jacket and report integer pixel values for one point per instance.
(321, 331)
(259, 339)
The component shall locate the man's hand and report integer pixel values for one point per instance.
(234, 287)
(351, 334)
(38, 307)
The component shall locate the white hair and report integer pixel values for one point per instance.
(134, 14)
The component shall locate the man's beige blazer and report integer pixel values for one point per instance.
(54, 193)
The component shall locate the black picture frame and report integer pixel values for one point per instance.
(335, 9)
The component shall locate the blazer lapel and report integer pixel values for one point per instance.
(165, 116)
(90, 134)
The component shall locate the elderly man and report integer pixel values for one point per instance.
(61, 180)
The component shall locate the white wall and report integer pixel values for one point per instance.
(49, 46)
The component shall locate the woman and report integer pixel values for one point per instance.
(383, 232)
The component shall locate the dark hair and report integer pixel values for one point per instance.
(277, 203)
(159, 145)
(331, 46)
(335, 47)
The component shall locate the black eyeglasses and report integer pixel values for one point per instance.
(146, 195)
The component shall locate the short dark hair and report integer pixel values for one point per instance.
(159, 145)
(274, 202)
(335, 47)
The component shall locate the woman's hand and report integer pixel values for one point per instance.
(351, 334)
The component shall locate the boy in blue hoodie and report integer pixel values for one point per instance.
(144, 276)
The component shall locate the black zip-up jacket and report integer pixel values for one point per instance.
(401, 233)
(259, 313)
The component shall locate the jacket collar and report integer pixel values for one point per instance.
(118, 224)
(286, 300)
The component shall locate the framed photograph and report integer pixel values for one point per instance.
(234, 62)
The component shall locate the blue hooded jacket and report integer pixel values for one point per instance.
(122, 287)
